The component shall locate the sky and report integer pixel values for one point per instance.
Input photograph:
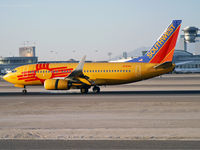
(64, 29)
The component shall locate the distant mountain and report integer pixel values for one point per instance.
(137, 52)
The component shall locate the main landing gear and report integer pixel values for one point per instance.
(84, 90)
(24, 91)
(96, 89)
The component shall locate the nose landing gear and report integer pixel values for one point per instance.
(24, 91)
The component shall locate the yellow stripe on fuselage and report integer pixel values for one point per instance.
(100, 73)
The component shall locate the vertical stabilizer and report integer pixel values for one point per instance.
(163, 49)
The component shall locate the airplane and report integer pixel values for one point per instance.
(83, 76)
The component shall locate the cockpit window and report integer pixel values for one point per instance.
(13, 71)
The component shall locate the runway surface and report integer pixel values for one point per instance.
(98, 145)
(163, 108)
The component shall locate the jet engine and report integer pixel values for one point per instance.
(57, 84)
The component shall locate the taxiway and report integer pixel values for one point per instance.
(163, 108)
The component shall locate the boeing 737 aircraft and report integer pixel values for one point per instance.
(83, 76)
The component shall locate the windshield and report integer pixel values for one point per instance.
(13, 71)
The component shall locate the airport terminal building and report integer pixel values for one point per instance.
(9, 63)
(186, 62)
(26, 56)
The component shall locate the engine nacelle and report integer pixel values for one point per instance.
(56, 84)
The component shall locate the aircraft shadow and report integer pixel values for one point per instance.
(163, 92)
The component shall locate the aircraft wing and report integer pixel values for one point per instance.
(77, 74)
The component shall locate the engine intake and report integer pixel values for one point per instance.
(56, 84)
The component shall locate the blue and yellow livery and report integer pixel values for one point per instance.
(163, 48)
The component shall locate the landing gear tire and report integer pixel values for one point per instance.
(96, 89)
(24, 91)
(84, 90)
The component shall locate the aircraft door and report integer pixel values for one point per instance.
(138, 70)
(25, 71)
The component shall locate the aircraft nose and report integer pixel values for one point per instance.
(6, 77)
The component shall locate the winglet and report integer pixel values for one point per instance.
(79, 69)
(77, 74)
(81, 64)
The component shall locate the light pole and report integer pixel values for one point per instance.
(109, 55)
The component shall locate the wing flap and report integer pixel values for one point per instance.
(83, 80)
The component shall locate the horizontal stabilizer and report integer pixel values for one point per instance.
(164, 65)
